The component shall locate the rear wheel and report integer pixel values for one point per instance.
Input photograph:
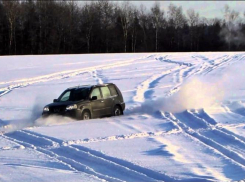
(86, 115)
(117, 111)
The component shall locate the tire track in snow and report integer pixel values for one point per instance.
(120, 137)
(62, 75)
(180, 74)
(233, 153)
(97, 78)
(200, 124)
(218, 62)
(203, 115)
(164, 59)
(150, 83)
(186, 70)
(144, 86)
(82, 159)
(43, 151)
(204, 172)
(221, 135)
(179, 78)
(209, 142)
(224, 138)
(204, 68)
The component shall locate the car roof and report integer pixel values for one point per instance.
(88, 86)
(79, 86)
(104, 84)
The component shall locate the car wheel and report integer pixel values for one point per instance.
(86, 115)
(117, 111)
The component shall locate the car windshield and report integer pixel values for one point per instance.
(74, 94)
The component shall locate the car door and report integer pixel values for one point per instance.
(107, 99)
(97, 106)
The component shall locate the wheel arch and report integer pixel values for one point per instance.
(88, 110)
(118, 105)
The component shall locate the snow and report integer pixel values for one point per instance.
(184, 118)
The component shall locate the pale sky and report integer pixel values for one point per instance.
(207, 9)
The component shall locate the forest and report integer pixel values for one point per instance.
(30, 27)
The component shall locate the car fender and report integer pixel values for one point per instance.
(86, 107)
(115, 103)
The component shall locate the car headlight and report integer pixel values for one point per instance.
(71, 107)
(46, 109)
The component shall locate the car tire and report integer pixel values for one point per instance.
(86, 115)
(117, 111)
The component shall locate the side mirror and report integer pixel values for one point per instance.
(94, 98)
(55, 100)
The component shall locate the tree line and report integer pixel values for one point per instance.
(71, 27)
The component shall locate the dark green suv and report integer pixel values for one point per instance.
(87, 101)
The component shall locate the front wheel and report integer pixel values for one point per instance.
(117, 111)
(86, 115)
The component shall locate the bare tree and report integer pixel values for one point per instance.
(143, 22)
(107, 10)
(231, 25)
(177, 20)
(88, 18)
(43, 8)
(72, 14)
(157, 20)
(126, 14)
(134, 29)
(60, 26)
(176, 16)
(193, 19)
(12, 10)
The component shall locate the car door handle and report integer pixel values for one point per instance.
(102, 101)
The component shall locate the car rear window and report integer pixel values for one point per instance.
(113, 90)
(105, 92)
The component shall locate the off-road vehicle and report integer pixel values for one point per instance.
(87, 101)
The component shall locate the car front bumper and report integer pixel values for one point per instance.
(75, 114)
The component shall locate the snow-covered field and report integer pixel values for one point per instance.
(184, 118)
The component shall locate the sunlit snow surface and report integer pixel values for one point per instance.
(184, 118)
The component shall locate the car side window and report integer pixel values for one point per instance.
(113, 90)
(80, 94)
(96, 92)
(105, 92)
